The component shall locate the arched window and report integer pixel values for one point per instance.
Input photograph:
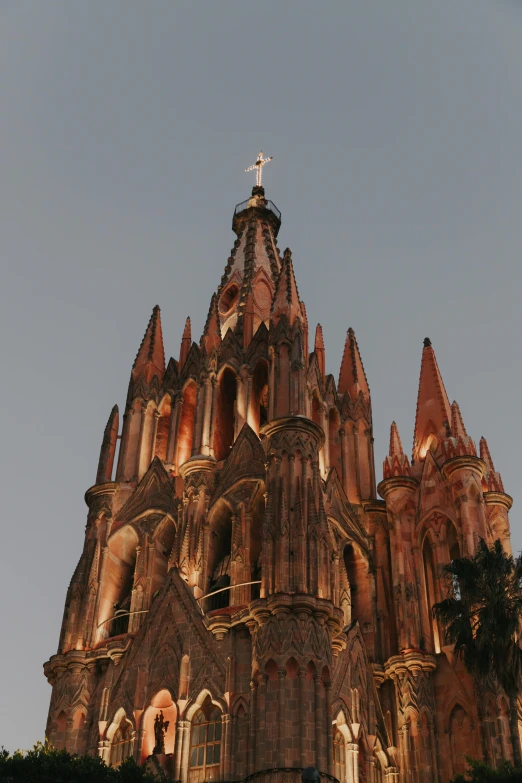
(220, 579)
(118, 580)
(357, 571)
(339, 756)
(122, 742)
(259, 399)
(218, 558)
(461, 739)
(429, 586)
(186, 423)
(226, 415)
(205, 744)
(61, 726)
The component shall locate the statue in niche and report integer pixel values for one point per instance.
(160, 729)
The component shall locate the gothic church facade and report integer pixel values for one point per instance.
(249, 601)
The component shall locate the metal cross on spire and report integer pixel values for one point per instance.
(258, 166)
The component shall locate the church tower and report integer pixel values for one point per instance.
(245, 605)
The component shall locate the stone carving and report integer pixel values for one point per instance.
(160, 729)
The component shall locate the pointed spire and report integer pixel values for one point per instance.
(108, 448)
(286, 297)
(458, 430)
(396, 449)
(485, 454)
(352, 378)
(396, 463)
(492, 478)
(433, 408)
(150, 359)
(186, 342)
(212, 332)
(319, 349)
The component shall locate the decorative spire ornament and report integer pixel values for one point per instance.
(258, 166)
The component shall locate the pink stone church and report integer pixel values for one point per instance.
(250, 600)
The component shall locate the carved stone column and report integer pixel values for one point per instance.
(251, 764)
(352, 762)
(281, 673)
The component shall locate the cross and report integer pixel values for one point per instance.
(258, 166)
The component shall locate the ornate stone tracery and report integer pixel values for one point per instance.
(245, 605)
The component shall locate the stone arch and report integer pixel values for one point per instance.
(258, 413)
(117, 582)
(76, 738)
(429, 581)
(218, 555)
(225, 413)
(185, 439)
(196, 703)
(342, 739)
(461, 738)
(205, 717)
(240, 703)
(356, 566)
(163, 538)
(162, 704)
(121, 735)
(61, 729)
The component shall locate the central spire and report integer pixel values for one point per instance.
(248, 284)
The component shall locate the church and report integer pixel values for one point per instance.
(251, 599)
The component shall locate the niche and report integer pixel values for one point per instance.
(226, 414)
(186, 424)
(259, 398)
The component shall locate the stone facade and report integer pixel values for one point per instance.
(245, 605)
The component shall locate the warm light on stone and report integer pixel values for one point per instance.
(244, 602)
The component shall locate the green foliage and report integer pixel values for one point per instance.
(482, 617)
(478, 772)
(483, 612)
(45, 764)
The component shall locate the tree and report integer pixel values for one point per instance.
(479, 772)
(45, 764)
(482, 618)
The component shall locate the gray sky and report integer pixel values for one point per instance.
(125, 128)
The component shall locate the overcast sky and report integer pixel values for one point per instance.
(125, 129)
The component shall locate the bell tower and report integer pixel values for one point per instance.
(245, 605)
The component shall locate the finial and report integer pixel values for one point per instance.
(427, 342)
(258, 166)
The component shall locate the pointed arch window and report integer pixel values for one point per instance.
(205, 744)
(225, 415)
(339, 756)
(122, 742)
(430, 592)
